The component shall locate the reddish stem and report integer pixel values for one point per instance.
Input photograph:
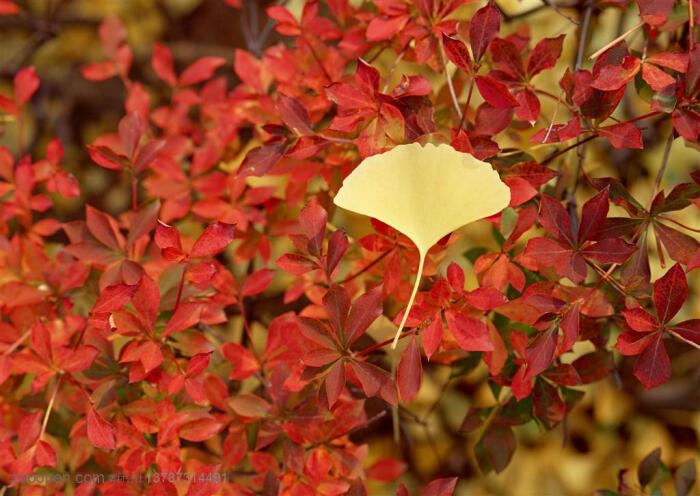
(180, 288)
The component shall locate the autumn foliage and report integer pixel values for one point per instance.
(228, 323)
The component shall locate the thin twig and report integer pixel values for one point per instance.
(556, 8)
(678, 336)
(584, 34)
(662, 169)
(453, 95)
(368, 266)
(616, 40)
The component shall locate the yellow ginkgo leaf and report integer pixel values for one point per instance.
(425, 192)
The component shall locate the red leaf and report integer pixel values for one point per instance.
(214, 239)
(440, 487)
(471, 334)
(167, 237)
(257, 282)
(640, 320)
(26, 84)
(8, 8)
(544, 55)
(687, 123)
(114, 297)
(103, 227)
(655, 12)
(44, 454)
(386, 469)
(558, 132)
(250, 70)
(593, 215)
(244, 362)
(80, 359)
(186, 316)
(99, 71)
(384, 28)
(260, 160)
(144, 220)
(614, 76)
(198, 363)
(540, 353)
(455, 276)
(410, 371)
(483, 28)
(131, 128)
(335, 382)
(690, 330)
(312, 220)
(249, 405)
(653, 367)
(162, 62)
(100, 432)
(485, 298)
(367, 77)
(495, 93)
(622, 135)
(365, 310)
(555, 219)
(432, 335)
(457, 52)
(336, 302)
(349, 97)
(670, 292)
(201, 70)
(657, 78)
(680, 246)
(294, 114)
(528, 108)
(296, 264)
(611, 250)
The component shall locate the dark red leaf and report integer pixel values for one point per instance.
(640, 320)
(670, 292)
(653, 367)
(555, 219)
(457, 52)
(655, 12)
(365, 310)
(495, 93)
(410, 371)
(540, 353)
(260, 160)
(611, 250)
(544, 55)
(294, 114)
(335, 382)
(483, 28)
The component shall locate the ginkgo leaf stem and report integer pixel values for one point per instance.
(410, 300)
